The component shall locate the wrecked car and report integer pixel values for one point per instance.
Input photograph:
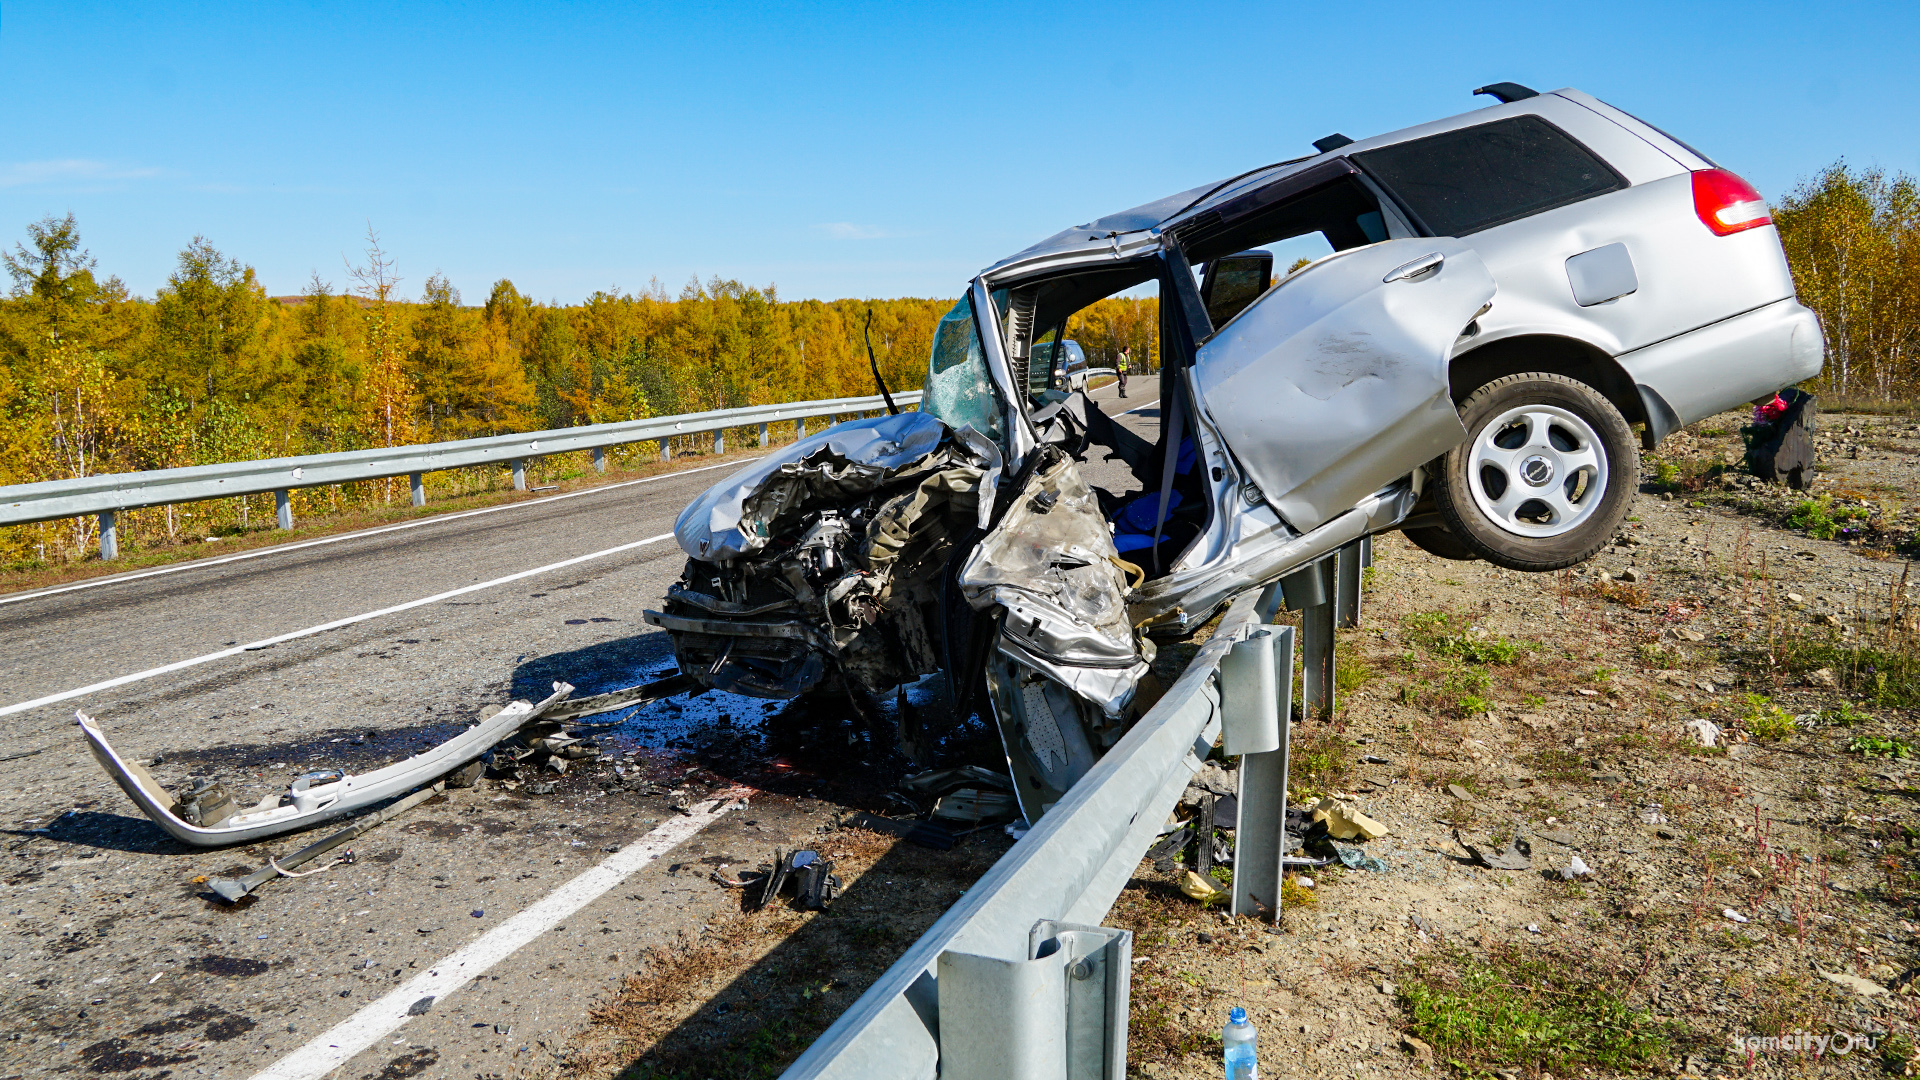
(1474, 317)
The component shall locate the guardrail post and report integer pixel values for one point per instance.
(720, 441)
(1256, 702)
(417, 486)
(1060, 1014)
(763, 436)
(1310, 590)
(600, 459)
(109, 534)
(519, 474)
(666, 451)
(1353, 558)
(800, 428)
(283, 508)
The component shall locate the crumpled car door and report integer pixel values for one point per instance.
(1065, 660)
(1335, 382)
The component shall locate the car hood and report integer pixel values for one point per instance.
(847, 460)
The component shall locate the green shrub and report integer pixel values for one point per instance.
(1765, 720)
(1875, 746)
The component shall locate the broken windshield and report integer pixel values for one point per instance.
(959, 388)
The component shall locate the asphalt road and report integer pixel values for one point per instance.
(114, 961)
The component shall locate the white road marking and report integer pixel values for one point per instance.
(196, 564)
(340, 1043)
(324, 627)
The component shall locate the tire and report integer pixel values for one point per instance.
(1547, 473)
(1435, 540)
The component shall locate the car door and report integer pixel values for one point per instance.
(1334, 383)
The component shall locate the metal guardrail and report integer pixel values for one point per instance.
(109, 494)
(1017, 981)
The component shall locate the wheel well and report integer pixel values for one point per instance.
(1556, 355)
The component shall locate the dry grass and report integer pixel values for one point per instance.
(756, 988)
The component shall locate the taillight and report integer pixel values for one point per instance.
(1727, 204)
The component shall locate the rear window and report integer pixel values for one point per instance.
(1459, 182)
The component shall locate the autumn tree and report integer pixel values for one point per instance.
(390, 396)
(1852, 238)
(208, 323)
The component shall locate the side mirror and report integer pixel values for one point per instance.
(1233, 282)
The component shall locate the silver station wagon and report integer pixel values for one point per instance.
(1473, 318)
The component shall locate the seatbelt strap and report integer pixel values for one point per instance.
(1175, 415)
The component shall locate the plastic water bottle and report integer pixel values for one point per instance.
(1238, 1036)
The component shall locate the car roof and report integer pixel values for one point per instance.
(1164, 212)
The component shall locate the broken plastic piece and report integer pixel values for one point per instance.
(937, 782)
(814, 884)
(1734, 915)
(1517, 856)
(206, 803)
(232, 889)
(1705, 730)
(972, 806)
(1196, 886)
(1345, 822)
(1575, 868)
(1354, 858)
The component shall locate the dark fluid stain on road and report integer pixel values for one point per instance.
(408, 1065)
(230, 1027)
(117, 1056)
(197, 1015)
(387, 858)
(235, 967)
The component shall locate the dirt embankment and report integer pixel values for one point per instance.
(1761, 888)
(1751, 906)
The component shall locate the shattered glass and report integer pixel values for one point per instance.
(959, 388)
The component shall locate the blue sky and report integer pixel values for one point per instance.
(833, 149)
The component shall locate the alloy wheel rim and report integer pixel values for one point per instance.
(1538, 471)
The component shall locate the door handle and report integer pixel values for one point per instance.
(1425, 264)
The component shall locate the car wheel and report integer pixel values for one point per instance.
(1435, 540)
(1547, 473)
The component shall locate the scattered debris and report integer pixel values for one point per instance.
(1355, 859)
(812, 879)
(1575, 868)
(421, 1007)
(929, 786)
(973, 806)
(1459, 792)
(1517, 856)
(232, 890)
(1734, 915)
(1705, 730)
(924, 833)
(1863, 987)
(1345, 822)
(1196, 886)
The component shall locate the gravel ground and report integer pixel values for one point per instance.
(1705, 607)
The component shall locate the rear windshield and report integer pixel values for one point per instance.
(1459, 182)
